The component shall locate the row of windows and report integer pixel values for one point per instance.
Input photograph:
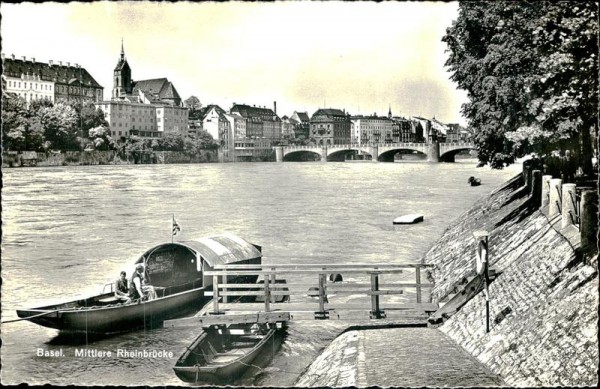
(34, 96)
(17, 84)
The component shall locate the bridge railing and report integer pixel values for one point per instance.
(400, 145)
(274, 292)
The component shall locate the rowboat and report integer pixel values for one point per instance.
(174, 269)
(220, 354)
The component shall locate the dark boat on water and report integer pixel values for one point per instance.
(174, 269)
(221, 354)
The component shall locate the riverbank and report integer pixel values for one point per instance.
(95, 157)
(543, 304)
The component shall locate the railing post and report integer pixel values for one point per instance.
(568, 205)
(376, 312)
(322, 314)
(589, 220)
(267, 293)
(536, 188)
(555, 197)
(546, 190)
(225, 281)
(418, 279)
(321, 292)
(273, 282)
(215, 294)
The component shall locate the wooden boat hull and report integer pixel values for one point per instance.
(216, 372)
(114, 318)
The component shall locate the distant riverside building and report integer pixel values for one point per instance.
(247, 149)
(301, 122)
(260, 122)
(146, 108)
(372, 129)
(55, 82)
(152, 91)
(330, 126)
(127, 118)
(287, 128)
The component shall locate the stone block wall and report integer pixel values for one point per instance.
(543, 305)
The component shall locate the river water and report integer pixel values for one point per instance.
(68, 230)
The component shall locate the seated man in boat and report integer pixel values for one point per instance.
(138, 288)
(121, 288)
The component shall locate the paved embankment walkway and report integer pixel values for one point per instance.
(407, 357)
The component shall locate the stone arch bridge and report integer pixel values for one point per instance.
(382, 152)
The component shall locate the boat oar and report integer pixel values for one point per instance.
(29, 317)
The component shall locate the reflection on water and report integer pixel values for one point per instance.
(68, 231)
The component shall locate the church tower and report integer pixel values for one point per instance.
(122, 77)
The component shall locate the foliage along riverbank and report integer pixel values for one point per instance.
(109, 157)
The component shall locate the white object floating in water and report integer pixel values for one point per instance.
(409, 219)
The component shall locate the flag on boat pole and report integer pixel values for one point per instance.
(176, 229)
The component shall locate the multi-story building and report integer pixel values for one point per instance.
(146, 120)
(238, 124)
(301, 121)
(404, 131)
(372, 129)
(457, 133)
(247, 149)
(32, 80)
(152, 91)
(425, 127)
(260, 122)
(148, 108)
(287, 128)
(330, 126)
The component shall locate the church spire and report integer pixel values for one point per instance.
(122, 50)
(390, 111)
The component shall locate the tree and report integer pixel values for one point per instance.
(171, 142)
(91, 117)
(101, 138)
(21, 127)
(193, 103)
(59, 124)
(530, 71)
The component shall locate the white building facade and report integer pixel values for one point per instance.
(145, 120)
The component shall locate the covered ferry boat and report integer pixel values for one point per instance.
(174, 269)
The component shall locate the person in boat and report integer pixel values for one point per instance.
(122, 289)
(139, 288)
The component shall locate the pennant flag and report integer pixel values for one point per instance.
(176, 227)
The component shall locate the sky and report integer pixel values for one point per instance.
(363, 57)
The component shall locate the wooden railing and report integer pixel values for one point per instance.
(270, 289)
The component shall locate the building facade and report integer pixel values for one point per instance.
(260, 122)
(32, 80)
(152, 91)
(372, 129)
(147, 108)
(330, 126)
(145, 120)
(301, 120)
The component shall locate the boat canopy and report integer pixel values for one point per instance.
(220, 249)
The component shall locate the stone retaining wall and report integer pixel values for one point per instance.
(77, 158)
(543, 308)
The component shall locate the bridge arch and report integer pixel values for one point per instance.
(449, 156)
(388, 155)
(302, 156)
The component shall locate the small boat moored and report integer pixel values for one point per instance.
(220, 354)
(174, 269)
